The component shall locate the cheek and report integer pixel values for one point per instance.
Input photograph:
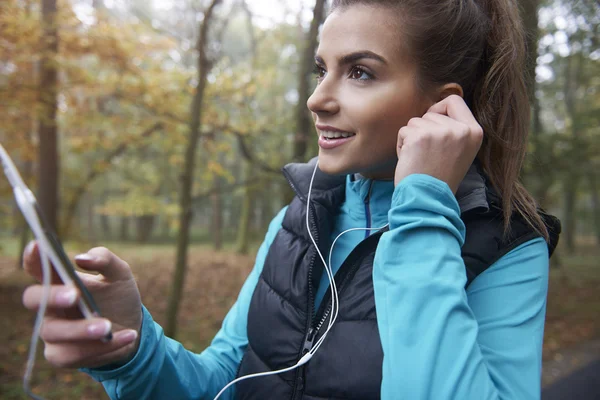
(383, 114)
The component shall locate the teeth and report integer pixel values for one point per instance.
(336, 135)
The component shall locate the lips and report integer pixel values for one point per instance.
(331, 137)
(330, 143)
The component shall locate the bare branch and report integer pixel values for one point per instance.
(252, 158)
(225, 189)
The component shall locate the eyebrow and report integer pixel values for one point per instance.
(354, 57)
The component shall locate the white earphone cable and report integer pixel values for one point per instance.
(332, 287)
(46, 273)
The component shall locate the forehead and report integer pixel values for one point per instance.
(361, 27)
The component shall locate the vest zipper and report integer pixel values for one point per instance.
(368, 233)
(368, 209)
(310, 334)
(323, 318)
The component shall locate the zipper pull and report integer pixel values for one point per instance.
(308, 342)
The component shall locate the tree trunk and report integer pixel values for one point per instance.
(124, 229)
(48, 137)
(243, 238)
(91, 231)
(145, 226)
(571, 185)
(187, 179)
(216, 225)
(105, 225)
(303, 119)
(541, 176)
(244, 225)
(216, 230)
(569, 217)
(529, 11)
(595, 203)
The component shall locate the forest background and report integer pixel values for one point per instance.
(158, 128)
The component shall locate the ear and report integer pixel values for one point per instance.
(450, 89)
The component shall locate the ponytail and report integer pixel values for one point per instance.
(501, 106)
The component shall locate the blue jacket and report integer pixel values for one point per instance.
(438, 340)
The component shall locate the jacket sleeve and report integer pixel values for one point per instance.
(163, 369)
(440, 341)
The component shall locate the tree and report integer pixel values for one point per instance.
(567, 115)
(187, 178)
(303, 119)
(48, 165)
(243, 237)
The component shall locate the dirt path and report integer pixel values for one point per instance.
(570, 360)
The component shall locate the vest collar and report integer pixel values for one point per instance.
(471, 194)
(300, 174)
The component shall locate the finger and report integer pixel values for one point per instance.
(59, 330)
(447, 122)
(33, 264)
(102, 260)
(455, 107)
(60, 297)
(93, 353)
(403, 133)
(425, 125)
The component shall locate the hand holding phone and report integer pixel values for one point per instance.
(72, 341)
(73, 330)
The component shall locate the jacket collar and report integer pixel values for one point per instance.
(471, 194)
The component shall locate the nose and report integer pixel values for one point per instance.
(323, 100)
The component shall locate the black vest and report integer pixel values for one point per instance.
(282, 325)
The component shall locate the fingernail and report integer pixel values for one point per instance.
(129, 336)
(29, 248)
(84, 257)
(66, 297)
(99, 329)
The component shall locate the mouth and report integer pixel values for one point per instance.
(330, 138)
(328, 132)
(328, 135)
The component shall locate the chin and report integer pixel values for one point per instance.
(339, 165)
(332, 165)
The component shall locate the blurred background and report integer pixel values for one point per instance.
(158, 129)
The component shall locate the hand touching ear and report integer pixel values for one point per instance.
(443, 143)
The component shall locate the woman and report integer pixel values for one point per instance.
(422, 116)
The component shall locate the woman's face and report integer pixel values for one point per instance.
(366, 92)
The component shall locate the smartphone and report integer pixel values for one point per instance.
(47, 239)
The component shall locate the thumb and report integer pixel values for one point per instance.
(104, 261)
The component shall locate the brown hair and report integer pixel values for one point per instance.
(479, 44)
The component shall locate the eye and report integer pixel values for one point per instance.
(359, 74)
(319, 72)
